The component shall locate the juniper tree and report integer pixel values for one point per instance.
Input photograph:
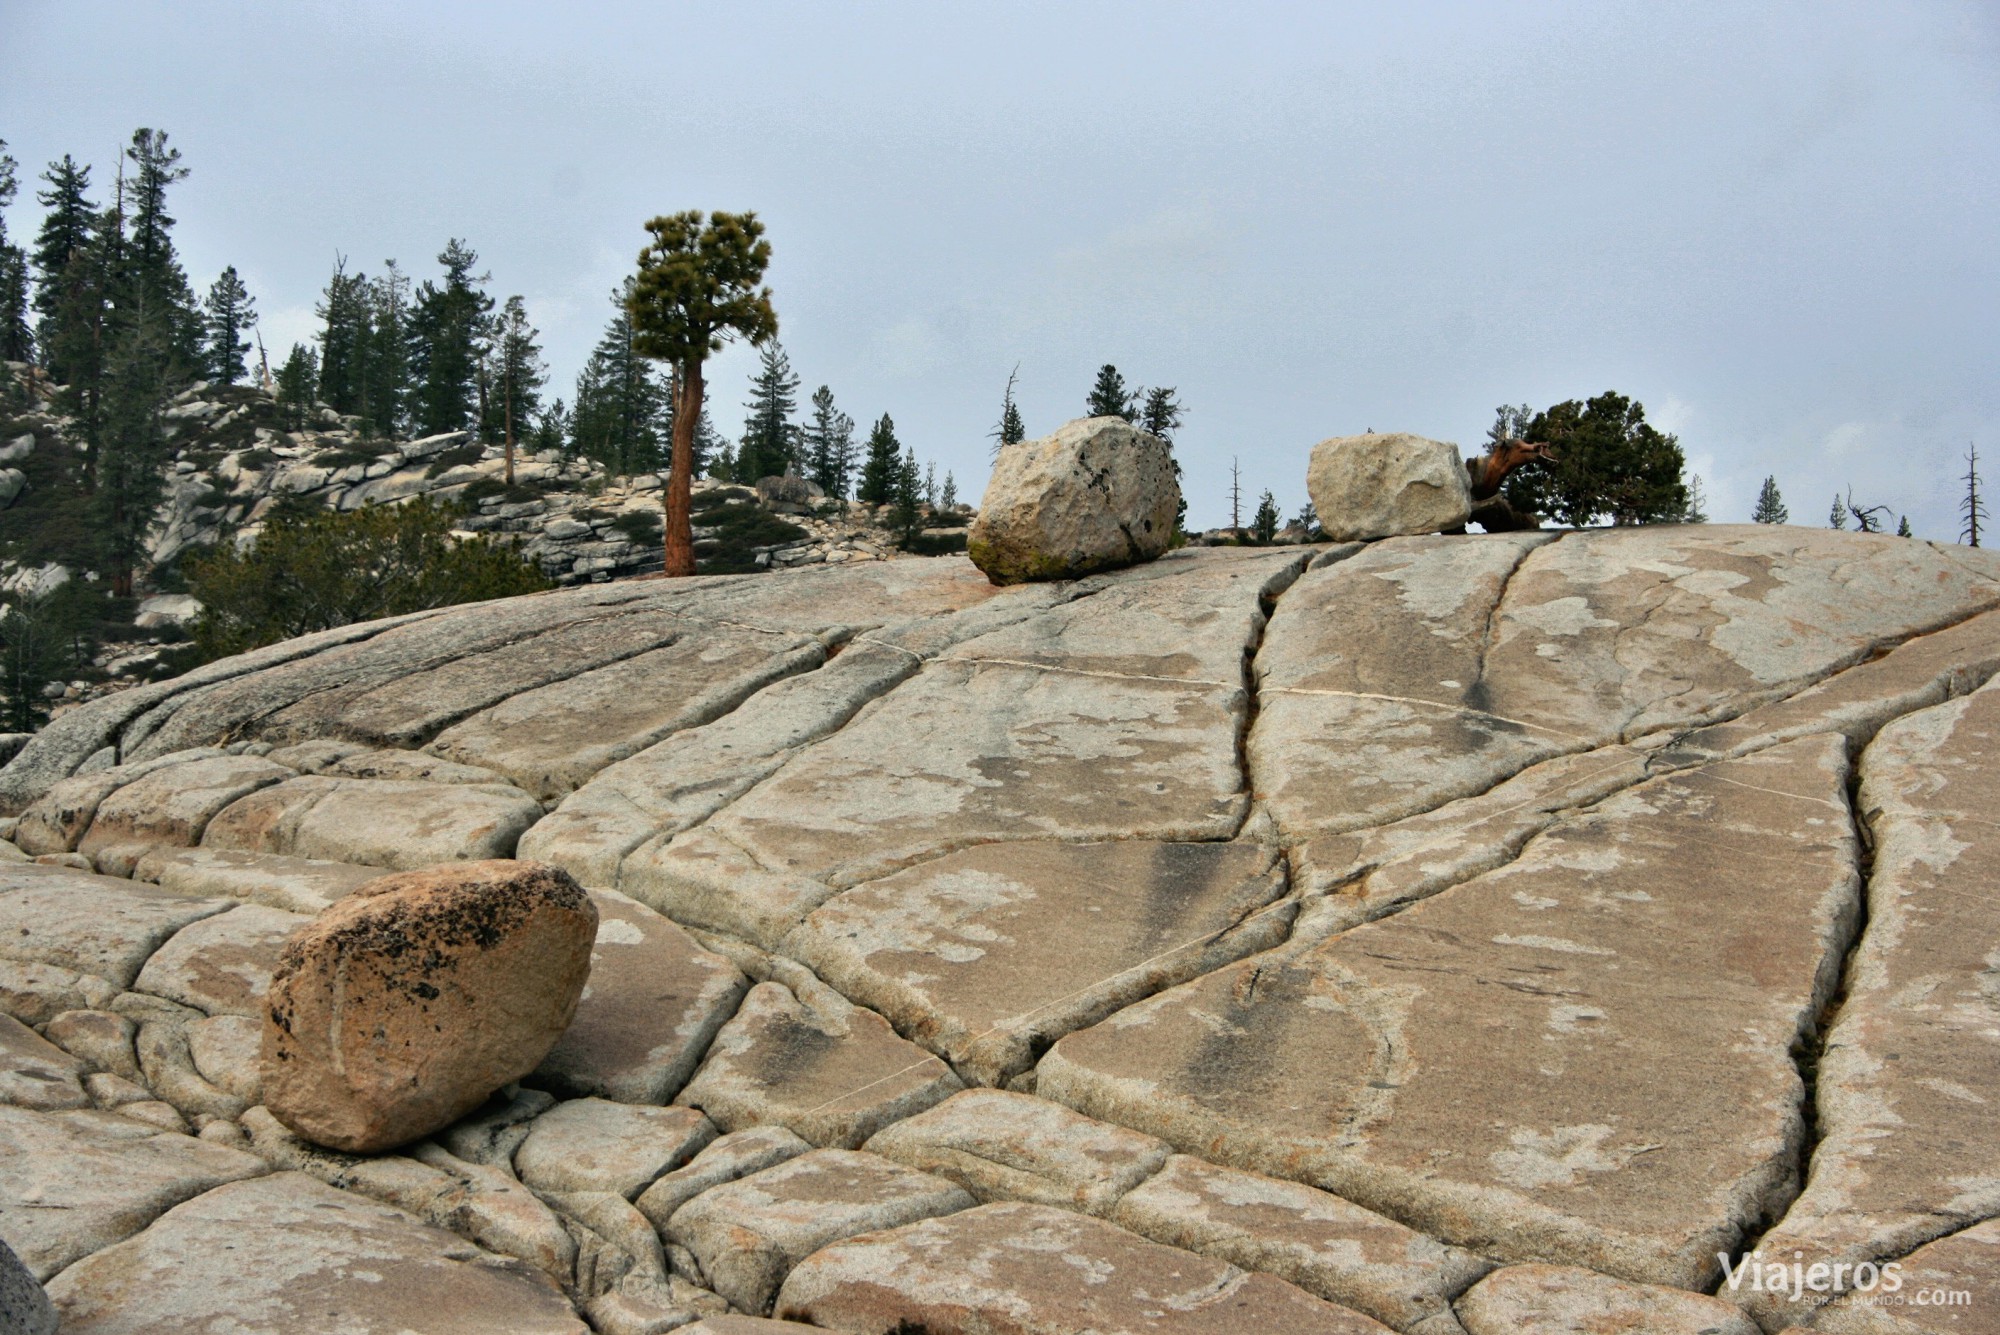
(698, 287)
(880, 470)
(1770, 506)
(228, 313)
(829, 445)
(1108, 396)
(1612, 464)
(770, 437)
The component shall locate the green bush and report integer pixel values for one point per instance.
(313, 572)
(737, 527)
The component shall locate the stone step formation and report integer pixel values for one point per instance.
(1449, 935)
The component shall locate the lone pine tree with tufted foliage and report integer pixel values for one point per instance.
(697, 288)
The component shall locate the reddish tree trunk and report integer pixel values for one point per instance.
(680, 472)
(510, 431)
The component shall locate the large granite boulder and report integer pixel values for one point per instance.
(1099, 494)
(403, 1006)
(1387, 485)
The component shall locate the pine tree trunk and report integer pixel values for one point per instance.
(680, 473)
(509, 389)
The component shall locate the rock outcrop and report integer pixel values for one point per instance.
(402, 1007)
(1098, 494)
(1388, 485)
(1446, 935)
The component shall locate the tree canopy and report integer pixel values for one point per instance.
(1611, 464)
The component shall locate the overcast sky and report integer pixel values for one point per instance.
(1774, 225)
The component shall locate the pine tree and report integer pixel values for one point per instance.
(1011, 430)
(552, 429)
(1308, 520)
(386, 383)
(907, 497)
(880, 470)
(298, 384)
(78, 334)
(1837, 517)
(1109, 397)
(707, 441)
(1697, 502)
(930, 484)
(130, 481)
(154, 274)
(1510, 422)
(345, 340)
(1264, 524)
(68, 220)
(770, 438)
(446, 325)
(829, 445)
(1903, 527)
(1770, 506)
(697, 287)
(228, 313)
(622, 411)
(1162, 416)
(16, 340)
(1972, 507)
(519, 370)
(948, 494)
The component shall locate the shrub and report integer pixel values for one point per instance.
(313, 572)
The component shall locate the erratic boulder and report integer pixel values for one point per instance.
(1099, 494)
(403, 1006)
(1387, 485)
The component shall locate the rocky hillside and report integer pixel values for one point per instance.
(234, 466)
(1451, 935)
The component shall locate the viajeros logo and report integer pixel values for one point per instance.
(1795, 1278)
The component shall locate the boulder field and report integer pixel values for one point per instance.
(1449, 935)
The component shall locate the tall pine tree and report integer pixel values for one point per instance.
(229, 314)
(386, 381)
(829, 445)
(345, 338)
(882, 469)
(154, 273)
(621, 416)
(68, 221)
(130, 481)
(447, 326)
(518, 372)
(16, 342)
(1011, 430)
(770, 437)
